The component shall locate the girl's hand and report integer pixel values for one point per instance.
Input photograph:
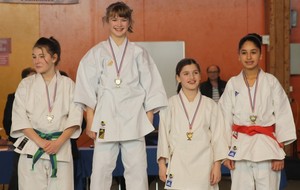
(162, 172)
(90, 133)
(89, 121)
(42, 143)
(229, 164)
(215, 174)
(52, 147)
(150, 116)
(277, 165)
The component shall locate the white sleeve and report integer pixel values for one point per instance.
(285, 125)
(151, 81)
(219, 144)
(75, 115)
(19, 116)
(226, 106)
(163, 134)
(87, 81)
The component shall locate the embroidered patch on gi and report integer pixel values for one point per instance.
(101, 133)
(235, 134)
(169, 183)
(110, 63)
(236, 93)
(102, 130)
(22, 144)
(232, 153)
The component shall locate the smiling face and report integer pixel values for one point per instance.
(189, 77)
(44, 63)
(250, 55)
(118, 26)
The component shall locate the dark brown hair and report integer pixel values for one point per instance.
(181, 64)
(252, 37)
(51, 45)
(119, 9)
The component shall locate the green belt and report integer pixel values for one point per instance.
(40, 151)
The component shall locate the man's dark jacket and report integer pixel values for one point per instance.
(206, 87)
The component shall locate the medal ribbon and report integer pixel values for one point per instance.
(54, 95)
(186, 113)
(252, 103)
(118, 69)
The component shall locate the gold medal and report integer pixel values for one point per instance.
(252, 100)
(253, 118)
(189, 135)
(118, 82)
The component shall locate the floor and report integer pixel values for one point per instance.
(223, 185)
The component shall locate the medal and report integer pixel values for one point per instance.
(118, 81)
(252, 117)
(50, 116)
(189, 134)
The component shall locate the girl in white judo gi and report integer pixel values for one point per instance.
(258, 121)
(44, 118)
(191, 140)
(120, 88)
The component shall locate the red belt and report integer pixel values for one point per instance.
(252, 130)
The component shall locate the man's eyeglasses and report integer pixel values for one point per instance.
(212, 72)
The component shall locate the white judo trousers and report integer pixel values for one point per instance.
(39, 178)
(250, 175)
(134, 159)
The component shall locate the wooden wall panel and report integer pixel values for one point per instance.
(211, 29)
(295, 79)
(277, 24)
(21, 24)
(74, 26)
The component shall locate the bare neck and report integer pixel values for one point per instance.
(48, 76)
(190, 94)
(251, 76)
(118, 40)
